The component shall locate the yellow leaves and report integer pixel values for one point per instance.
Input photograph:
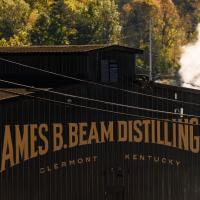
(139, 62)
(72, 32)
(155, 3)
(3, 42)
(71, 4)
(32, 18)
(143, 44)
(167, 29)
(16, 40)
(75, 5)
(127, 8)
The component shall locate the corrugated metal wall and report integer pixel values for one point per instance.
(109, 176)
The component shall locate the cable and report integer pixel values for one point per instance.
(95, 108)
(95, 83)
(94, 100)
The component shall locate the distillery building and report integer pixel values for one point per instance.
(78, 123)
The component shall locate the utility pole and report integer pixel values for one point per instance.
(150, 50)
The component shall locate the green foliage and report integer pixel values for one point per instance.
(13, 17)
(109, 29)
(55, 27)
(21, 39)
(39, 34)
(83, 23)
(55, 22)
(98, 23)
(60, 24)
(39, 4)
(167, 31)
(86, 24)
(189, 10)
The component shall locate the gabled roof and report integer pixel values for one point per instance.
(68, 49)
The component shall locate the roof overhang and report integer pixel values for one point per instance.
(67, 49)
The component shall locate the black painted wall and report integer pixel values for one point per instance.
(110, 177)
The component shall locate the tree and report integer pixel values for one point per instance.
(136, 26)
(167, 31)
(98, 23)
(37, 4)
(39, 34)
(54, 27)
(110, 31)
(189, 10)
(21, 39)
(13, 17)
(171, 34)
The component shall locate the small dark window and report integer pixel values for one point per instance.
(104, 71)
(109, 71)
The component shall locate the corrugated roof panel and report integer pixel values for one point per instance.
(66, 49)
(7, 93)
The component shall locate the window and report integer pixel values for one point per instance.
(109, 71)
(104, 71)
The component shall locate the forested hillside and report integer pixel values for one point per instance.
(54, 22)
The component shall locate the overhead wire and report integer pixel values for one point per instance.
(95, 83)
(96, 108)
(94, 100)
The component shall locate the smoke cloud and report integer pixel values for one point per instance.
(190, 64)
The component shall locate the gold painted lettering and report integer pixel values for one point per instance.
(122, 131)
(43, 149)
(138, 138)
(34, 152)
(7, 154)
(21, 143)
(107, 134)
(57, 136)
(73, 135)
(83, 133)
(93, 134)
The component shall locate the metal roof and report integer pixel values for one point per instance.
(8, 93)
(67, 49)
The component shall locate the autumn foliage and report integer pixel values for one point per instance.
(126, 22)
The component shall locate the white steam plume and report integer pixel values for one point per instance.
(190, 64)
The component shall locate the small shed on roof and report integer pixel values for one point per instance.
(100, 63)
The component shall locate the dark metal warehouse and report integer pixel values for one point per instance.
(78, 124)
